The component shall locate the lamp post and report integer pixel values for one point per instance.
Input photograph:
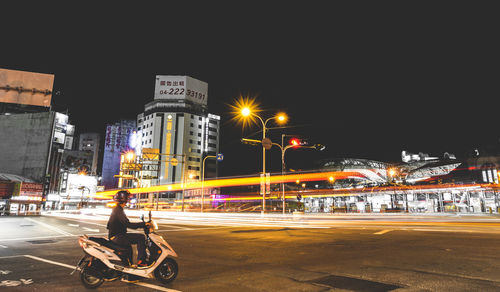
(246, 112)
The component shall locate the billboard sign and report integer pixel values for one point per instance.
(21, 87)
(119, 136)
(60, 128)
(77, 161)
(81, 185)
(170, 87)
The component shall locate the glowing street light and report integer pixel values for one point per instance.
(247, 109)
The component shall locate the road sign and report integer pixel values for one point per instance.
(220, 157)
(265, 184)
(266, 143)
(174, 161)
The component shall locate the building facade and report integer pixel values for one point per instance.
(119, 138)
(33, 145)
(90, 142)
(178, 124)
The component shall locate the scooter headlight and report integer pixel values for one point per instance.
(155, 225)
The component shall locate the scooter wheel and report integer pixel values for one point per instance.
(91, 278)
(167, 271)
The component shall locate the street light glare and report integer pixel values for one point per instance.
(282, 118)
(130, 156)
(245, 111)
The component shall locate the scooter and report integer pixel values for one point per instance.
(106, 261)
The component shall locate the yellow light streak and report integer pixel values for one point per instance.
(229, 182)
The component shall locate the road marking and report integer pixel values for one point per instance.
(51, 227)
(3, 246)
(156, 287)
(90, 229)
(73, 225)
(160, 288)
(77, 220)
(12, 256)
(382, 232)
(49, 261)
(45, 237)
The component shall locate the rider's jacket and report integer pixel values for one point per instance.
(118, 223)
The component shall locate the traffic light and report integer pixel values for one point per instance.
(298, 142)
(294, 142)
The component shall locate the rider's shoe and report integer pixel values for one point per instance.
(143, 265)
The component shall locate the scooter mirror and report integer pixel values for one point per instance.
(149, 215)
(142, 217)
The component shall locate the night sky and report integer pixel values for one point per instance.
(366, 80)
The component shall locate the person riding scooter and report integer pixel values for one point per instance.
(118, 224)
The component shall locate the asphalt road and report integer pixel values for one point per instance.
(224, 254)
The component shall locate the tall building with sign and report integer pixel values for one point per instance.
(119, 137)
(177, 123)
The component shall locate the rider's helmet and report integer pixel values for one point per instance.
(122, 196)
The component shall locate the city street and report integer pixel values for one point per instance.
(220, 252)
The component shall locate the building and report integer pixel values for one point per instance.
(33, 145)
(418, 184)
(178, 124)
(90, 142)
(119, 138)
(19, 195)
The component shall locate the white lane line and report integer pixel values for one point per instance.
(79, 220)
(90, 229)
(73, 225)
(160, 288)
(12, 256)
(44, 237)
(382, 232)
(3, 246)
(51, 227)
(156, 287)
(49, 261)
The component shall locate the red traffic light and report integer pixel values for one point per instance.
(295, 142)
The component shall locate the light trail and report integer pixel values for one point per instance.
(230, 182)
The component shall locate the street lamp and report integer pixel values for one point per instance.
(280, 118)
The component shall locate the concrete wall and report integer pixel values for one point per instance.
(24, 144)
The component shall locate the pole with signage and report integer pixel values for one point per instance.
(219, 158)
